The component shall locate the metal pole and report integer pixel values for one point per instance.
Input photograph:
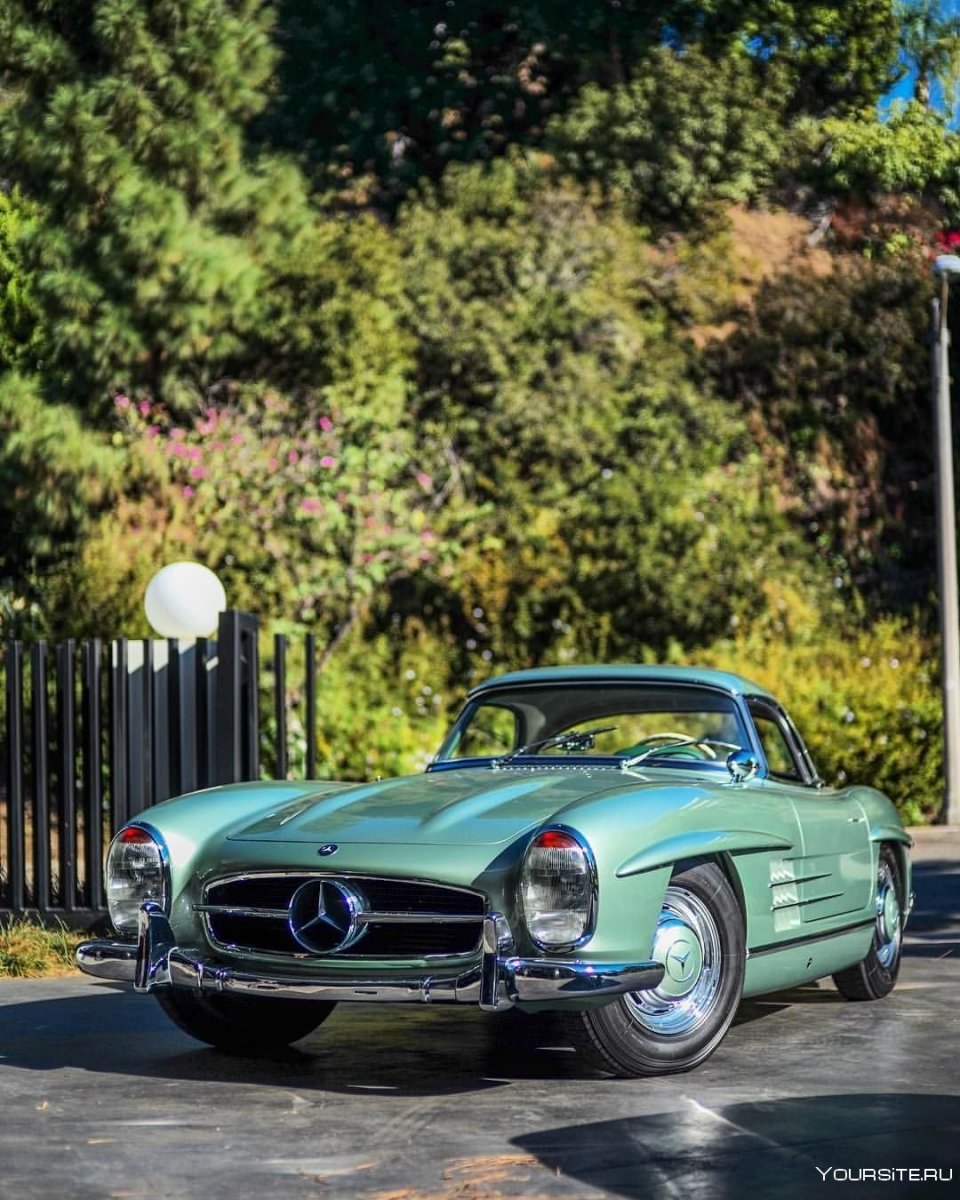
(947, 558)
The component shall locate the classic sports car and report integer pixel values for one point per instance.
(636, 847)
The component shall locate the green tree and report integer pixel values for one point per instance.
(621, 496)
(829, 57)
(55, 474)
(832, 372)
(930, 40)
(149, 250)
(19, 339)
(687, 135)
(911, 152)
(375, 94)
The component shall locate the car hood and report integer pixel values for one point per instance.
(475, 806)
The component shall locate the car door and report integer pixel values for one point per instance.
(831, 880)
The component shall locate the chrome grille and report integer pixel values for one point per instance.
(400, 918)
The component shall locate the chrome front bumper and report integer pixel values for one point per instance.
(498, 981)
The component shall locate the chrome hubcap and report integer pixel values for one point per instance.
(679, 949)
(687, 942)
(889, 922)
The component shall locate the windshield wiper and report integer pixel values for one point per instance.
(581, 739)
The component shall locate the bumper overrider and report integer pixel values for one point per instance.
(498, 981)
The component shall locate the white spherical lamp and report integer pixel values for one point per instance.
(184, 600)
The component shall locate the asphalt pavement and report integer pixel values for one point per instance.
(101, 1096)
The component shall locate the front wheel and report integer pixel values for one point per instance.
(677, 1025)
(875, 975)
(242, 1024)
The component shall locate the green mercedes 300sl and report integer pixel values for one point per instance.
(636, 847)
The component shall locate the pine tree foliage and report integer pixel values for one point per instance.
(124, 122)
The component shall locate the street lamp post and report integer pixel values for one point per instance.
(946, 268)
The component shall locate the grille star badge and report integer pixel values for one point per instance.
(324, 916)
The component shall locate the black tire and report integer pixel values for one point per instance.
(658, 1033)
(875, 976)
(242, 1024)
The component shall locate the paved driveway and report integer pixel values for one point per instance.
(100, 1096)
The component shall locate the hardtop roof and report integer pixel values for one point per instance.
(727, 681)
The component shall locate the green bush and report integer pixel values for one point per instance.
(383, 705)
(865, 697)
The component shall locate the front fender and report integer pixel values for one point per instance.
(697, 844)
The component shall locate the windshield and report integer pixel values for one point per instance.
(622, 723)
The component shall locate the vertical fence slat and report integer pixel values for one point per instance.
(205, 702)
(175, 697)
(311, 690)
(249, 715)
(15, 872)
(229, 746)
(40, 749)
(148, 722)
(119, 786)
(280, 702)
(67, 798)
(92, 774)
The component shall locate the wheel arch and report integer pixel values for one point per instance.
(725, 863)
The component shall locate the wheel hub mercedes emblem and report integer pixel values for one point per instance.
(325, 914)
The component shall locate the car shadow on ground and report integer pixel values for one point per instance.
(405, 1050)
(768, 1148)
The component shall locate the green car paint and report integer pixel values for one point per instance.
(802, 858)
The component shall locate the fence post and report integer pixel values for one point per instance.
(92, 774)
(119, 729)
(15, 880)
(238, 740)
(280, 702)
(67, 781)
(41, 776)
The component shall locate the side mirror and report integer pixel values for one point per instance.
(743, 765)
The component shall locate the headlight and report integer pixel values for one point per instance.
(558, 890)
(136, 871)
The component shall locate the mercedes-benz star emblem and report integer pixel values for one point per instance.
(324, 916)
(329, 848)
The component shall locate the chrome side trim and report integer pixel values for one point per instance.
(805, 938)
(499, 980)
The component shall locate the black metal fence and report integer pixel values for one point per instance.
(94, 732)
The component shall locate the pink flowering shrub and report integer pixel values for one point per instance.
(306, 514)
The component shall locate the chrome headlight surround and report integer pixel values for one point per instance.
(558, 859)
(137, 870)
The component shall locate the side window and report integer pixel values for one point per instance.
(493, 730)
(776, 748)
